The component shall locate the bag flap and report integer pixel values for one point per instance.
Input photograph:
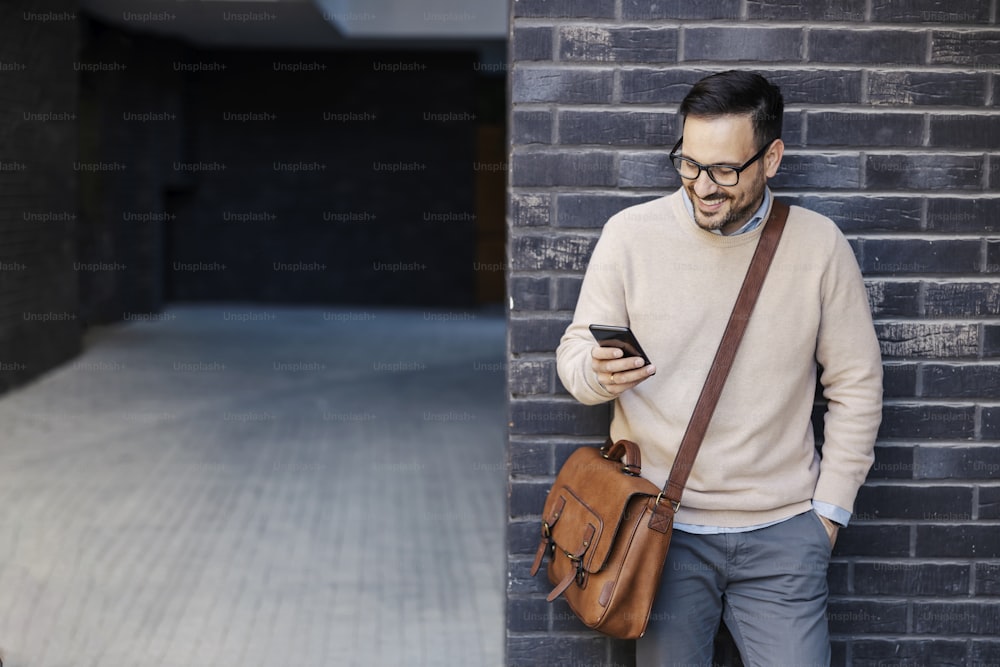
(591, 491)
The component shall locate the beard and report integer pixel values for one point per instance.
(738, 211)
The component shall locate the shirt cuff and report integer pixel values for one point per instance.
(838, 515)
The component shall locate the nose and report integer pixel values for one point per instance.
(705, 186)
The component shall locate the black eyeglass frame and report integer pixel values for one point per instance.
(707, 168)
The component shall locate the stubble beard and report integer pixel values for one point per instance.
(740, 215)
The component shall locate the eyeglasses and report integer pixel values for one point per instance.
(721, 174)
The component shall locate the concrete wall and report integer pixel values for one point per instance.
(893, 131)
(39, 324)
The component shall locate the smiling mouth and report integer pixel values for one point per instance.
(711, 204)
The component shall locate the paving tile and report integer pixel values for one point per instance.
(308, 488)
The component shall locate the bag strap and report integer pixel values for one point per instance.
(724, 357)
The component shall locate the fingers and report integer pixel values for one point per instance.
(831, 529)
(617, 373)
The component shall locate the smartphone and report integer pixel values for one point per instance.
(620, 337)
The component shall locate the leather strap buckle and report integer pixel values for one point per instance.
(675, 503)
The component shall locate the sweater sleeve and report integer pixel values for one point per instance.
(601, 301)
(848, 352)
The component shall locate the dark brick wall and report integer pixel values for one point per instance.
(892, 131)
(39, 324)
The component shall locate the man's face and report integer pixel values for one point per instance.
(726, 140)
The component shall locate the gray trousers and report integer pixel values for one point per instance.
(768, 586)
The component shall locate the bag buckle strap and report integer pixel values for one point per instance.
(547, 535)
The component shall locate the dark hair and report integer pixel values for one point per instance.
(740, 93)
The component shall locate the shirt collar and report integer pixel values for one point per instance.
(751, 224)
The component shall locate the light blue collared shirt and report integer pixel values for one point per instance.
(832, 512)
(751, 224)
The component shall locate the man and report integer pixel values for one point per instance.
(761, 508)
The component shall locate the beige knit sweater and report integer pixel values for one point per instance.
(675, 284)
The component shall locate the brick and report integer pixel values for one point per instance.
(569, 86)
(793, 129)
(651, 86)
(530, 293)
(863, 617)
(956, 463)
(562, 168)
(564, 620)
(532, 43)
(743, 44)
(953, 618)
(991, 340)
(806, 10)
(992, 257)
(872, 47)
(680, 9)
(530, 458)
(597, 9)
(924, 172)
(834, 172)
(961, 299)
(530, 210)
(928, 422)
(592, 210)
(899, 380)
(934, 503)
(551, 649)
(979, 48)
(901, 257)
(530, 377)
(538, 417)
(523, 536)
(900, 88)
(647, 170)
(883, 541)
(990, 424)
(984, 653)
(920, 340)
(838, 652)
(961, 380)
(894, 299)
(989, 502)
(908, 652)
(531, 127)
(965, 131)
(987, 578)
(567, 292)
(978, 215)
(527, 497)
(892, 463)
(560, 253)
(838, 578)
(931, 11)
(958, 541)
(854, 129)
(527, 615)
(620, 45)
(618, 128)
(911, 579)
(538, 334)
(854, 214)
(519, 579)
(820, 86)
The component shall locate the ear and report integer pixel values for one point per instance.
(772, 158)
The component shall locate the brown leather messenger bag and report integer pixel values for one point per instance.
(606, 529)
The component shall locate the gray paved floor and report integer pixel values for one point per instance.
(251, 486)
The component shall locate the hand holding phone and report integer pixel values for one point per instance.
(618, 360)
